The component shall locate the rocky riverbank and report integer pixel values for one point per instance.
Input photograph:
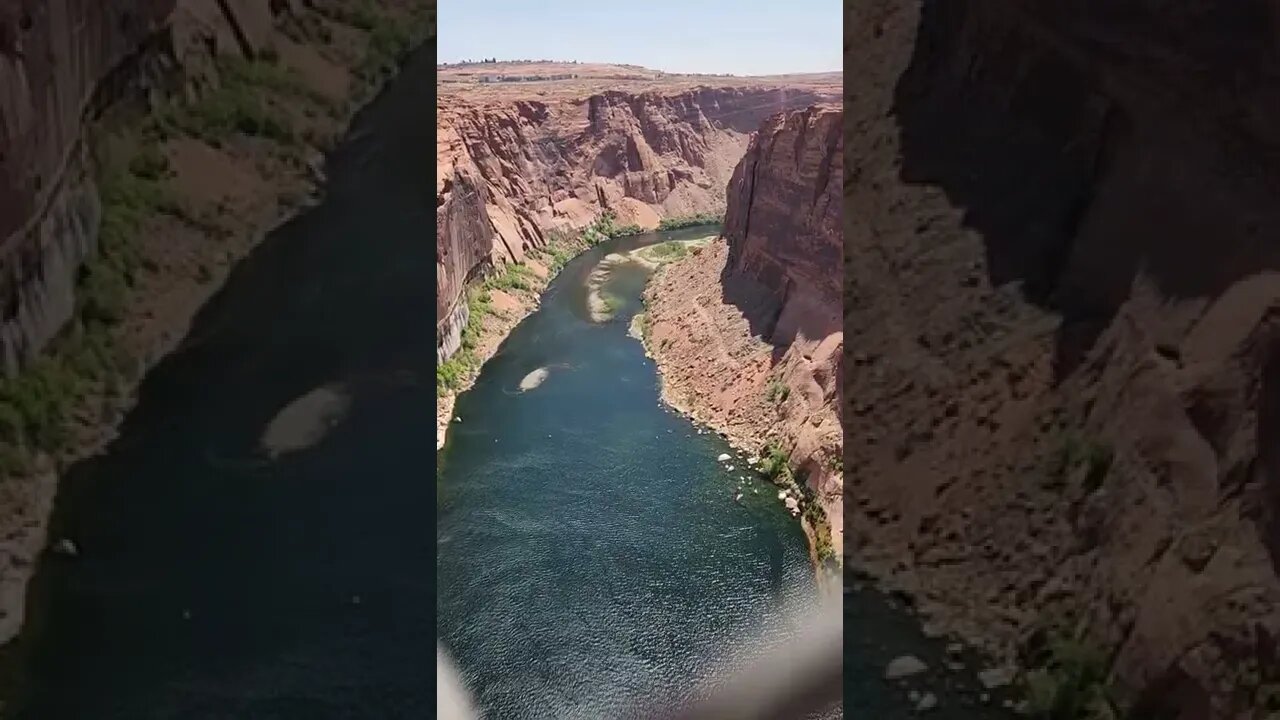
(200, 137)
(495, 305)
(716, 372)
(746, 331)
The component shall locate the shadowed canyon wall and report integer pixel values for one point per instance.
(747, 331)
(145, 147)
(53, 57)
(509, 171)
(1061, 293)
(62, 64)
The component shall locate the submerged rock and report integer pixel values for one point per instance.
(904, 666)
(305, 421)
(993, 678)
(723, 456)
(534, 379)
(66, 547)
(928, 701)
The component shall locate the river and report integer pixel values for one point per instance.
(592, 555)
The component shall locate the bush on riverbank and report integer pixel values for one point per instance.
(669, 251)
(37, 403)
(776, 465)
(777, 391)
(244, 102)
(1075, 451)
(390, 39)
(1070, 682)
(453, 373)
(818, 522)
(684, 221)
(512, 276)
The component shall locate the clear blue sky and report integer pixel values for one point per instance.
(748, 37)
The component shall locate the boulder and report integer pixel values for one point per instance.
(904, 666)
(993, 678)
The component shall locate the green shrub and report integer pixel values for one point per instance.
(777, 391)
(671, 250)
(454, 372)
(684, 221)
(513, 276)
(362, 15)
(37, 403)
(775, 464)
(102, 292)
(821, 528)
(1070, 684)
(248, 100)
(390, 42)
(628, 230)
(149, 163)
(1096, 456)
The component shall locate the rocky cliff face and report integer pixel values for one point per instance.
(1061, 292)
(747, 332)
(782, 222)
(53, 58)
(510, 170)
(62, 63)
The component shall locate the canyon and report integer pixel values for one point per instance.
(747, 332)
(558, 442)
(146, 146)
(522, 164)
(1060, 301)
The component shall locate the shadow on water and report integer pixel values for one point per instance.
(212, 583)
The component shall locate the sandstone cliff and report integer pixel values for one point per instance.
(1061, 294)
(513, 165)
(747, 332)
